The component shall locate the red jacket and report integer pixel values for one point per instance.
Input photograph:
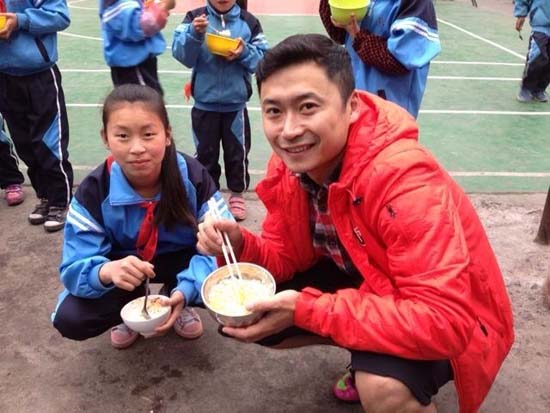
(433, 289)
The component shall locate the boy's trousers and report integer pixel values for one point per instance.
(233, 130)
(9, 165)
(536, 76)
(34, 109)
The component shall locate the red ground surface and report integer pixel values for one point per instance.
(263, 6)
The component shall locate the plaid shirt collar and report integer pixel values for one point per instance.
(313, 187)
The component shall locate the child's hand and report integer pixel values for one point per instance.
(10, 25)
(200, 23)
(176, 301)
(352, 27)
(237, 52)
(519, 23)
(127, 273)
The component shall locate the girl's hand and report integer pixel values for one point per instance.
(200, 24)
(352, 27)
(210, 241)
(176, 301)
(127, 273)
(237, 52)
(279, 316)
(9, 27)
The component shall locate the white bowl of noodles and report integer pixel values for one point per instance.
(226, 297)
(135, 320)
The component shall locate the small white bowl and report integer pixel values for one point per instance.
(132, 317)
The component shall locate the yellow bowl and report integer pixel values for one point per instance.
(2, 22)
(341, 10)
(220, 45)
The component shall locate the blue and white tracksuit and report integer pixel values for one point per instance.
(221, 89)
(410, 28)
(536, 76)
(31, 97)
(103, 224)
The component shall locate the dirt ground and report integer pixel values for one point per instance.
(41, 371)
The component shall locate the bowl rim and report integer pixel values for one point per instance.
(217, 36)
(205, 302)
(160, 314)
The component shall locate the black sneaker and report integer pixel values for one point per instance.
(38, 215)
(55, 219)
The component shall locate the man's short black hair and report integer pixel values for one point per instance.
(302, 48)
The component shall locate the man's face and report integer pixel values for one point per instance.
(223, 6)
(304, 119)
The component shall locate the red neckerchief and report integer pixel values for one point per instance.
(146, 243)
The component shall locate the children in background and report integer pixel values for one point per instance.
(221, 87)
(536, 75)
(390, 49)
(10, 176)
(373, 246)
(132, 39)
(33, 103)
(134, 217)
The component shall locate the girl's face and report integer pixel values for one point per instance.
(223, 6)
(137, 139)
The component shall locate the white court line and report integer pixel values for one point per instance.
(425, 111)
(175, 72)
(79, 36)
(502, 79)
(498, 46)
(456, 62)
(452, 173)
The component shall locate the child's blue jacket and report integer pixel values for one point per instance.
(217, 84)
(538, 11)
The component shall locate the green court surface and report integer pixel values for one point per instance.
(469, 118)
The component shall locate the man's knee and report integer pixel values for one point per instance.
(381, 394)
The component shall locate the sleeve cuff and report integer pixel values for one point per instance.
(22, 21)
(304, 307)
(95, 282)
(187, 288)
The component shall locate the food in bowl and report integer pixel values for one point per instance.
(221, 45)
(341, 10)
(132, 315)
(226, 297)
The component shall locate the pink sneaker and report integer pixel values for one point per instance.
(14, 195)
(122, 337)
(237, 206)
(345, 389)
(188, 324)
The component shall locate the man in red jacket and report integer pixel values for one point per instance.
(373, 246)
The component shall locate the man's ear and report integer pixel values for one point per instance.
(104, 138)
(354, 106)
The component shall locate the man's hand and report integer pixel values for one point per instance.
(9, 27)
(352, 27)
(127, 273)
(176, 301)
(279, 316)
(519, 23)
(210, 239)
(200, 24)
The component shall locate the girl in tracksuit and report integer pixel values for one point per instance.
(135, 217)
(132, 39)
(33, 104)
(221, 87)
(536, 75)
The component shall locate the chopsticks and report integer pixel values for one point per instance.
(227, 248)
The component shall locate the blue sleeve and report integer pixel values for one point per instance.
(186, 45)
(122, 19)
(48, 16)
(254, 50)
(85, 247)
(191, 279)
(521, 8)
(414, 39)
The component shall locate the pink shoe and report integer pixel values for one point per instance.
(14, 195)
(345, 389)
(188, 324)
(122, 337)
(237, 207)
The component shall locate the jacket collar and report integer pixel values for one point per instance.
(120, 190)
(232, 14)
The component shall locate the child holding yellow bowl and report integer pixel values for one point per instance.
(221, 87)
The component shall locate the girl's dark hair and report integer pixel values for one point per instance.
(243, 4)
(317, 48)
(173, 207)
